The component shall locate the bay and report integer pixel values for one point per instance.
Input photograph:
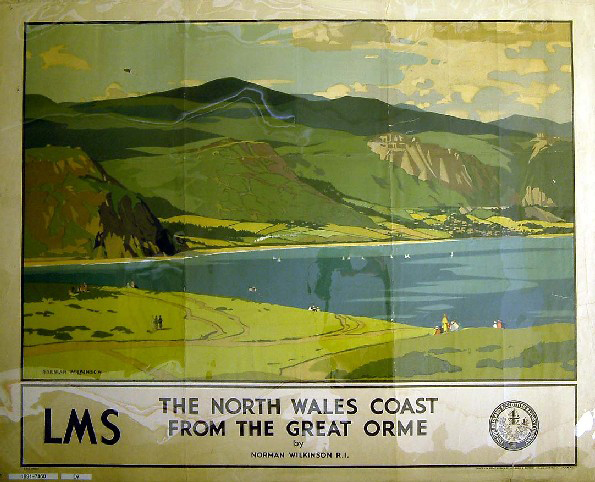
(520, 280)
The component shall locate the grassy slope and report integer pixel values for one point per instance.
(233, 180)
(207, 337)
(204, 337)
(318, 153)
(539, 352)
(322, 154)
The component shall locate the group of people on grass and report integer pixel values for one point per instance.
(84, 288)
(157, 322)
(446, 326)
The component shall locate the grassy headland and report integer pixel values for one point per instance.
(111, 330)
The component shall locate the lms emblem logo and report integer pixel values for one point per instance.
(80, 427)
(514, 425)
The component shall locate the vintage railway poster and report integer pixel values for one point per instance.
(250, 242)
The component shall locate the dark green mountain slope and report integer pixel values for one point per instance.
(232, 179)
(550, 178)
(356, 115)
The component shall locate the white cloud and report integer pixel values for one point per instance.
(335, 91)
(359, 87)
(56, 57)
(270, 82)
(115, 91)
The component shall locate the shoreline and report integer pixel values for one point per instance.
(38, 263)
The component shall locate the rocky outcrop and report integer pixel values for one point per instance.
(130, 229)
(458, 171)
(536, 197)
(73, 208)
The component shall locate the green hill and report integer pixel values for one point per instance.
(232, 179)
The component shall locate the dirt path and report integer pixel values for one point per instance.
(221, 336)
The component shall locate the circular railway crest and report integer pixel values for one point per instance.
(514, 425)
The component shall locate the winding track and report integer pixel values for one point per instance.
(220, 337)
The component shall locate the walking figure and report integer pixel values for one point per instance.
(160, 323)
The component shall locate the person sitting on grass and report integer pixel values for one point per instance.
(454, 326)
(437, 330)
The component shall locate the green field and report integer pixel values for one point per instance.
(110, 330)
(536, 353)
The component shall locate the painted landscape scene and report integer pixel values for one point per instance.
(299, 201)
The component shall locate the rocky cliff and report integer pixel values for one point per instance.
(458, 171)
(74, 209)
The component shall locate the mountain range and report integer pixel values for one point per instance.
(234, 150)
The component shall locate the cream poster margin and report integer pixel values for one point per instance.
(14, 13)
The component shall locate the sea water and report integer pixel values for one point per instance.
(521, 281)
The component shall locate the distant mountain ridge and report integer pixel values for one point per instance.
(345, 113)
(535, 125)
(357, 115)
